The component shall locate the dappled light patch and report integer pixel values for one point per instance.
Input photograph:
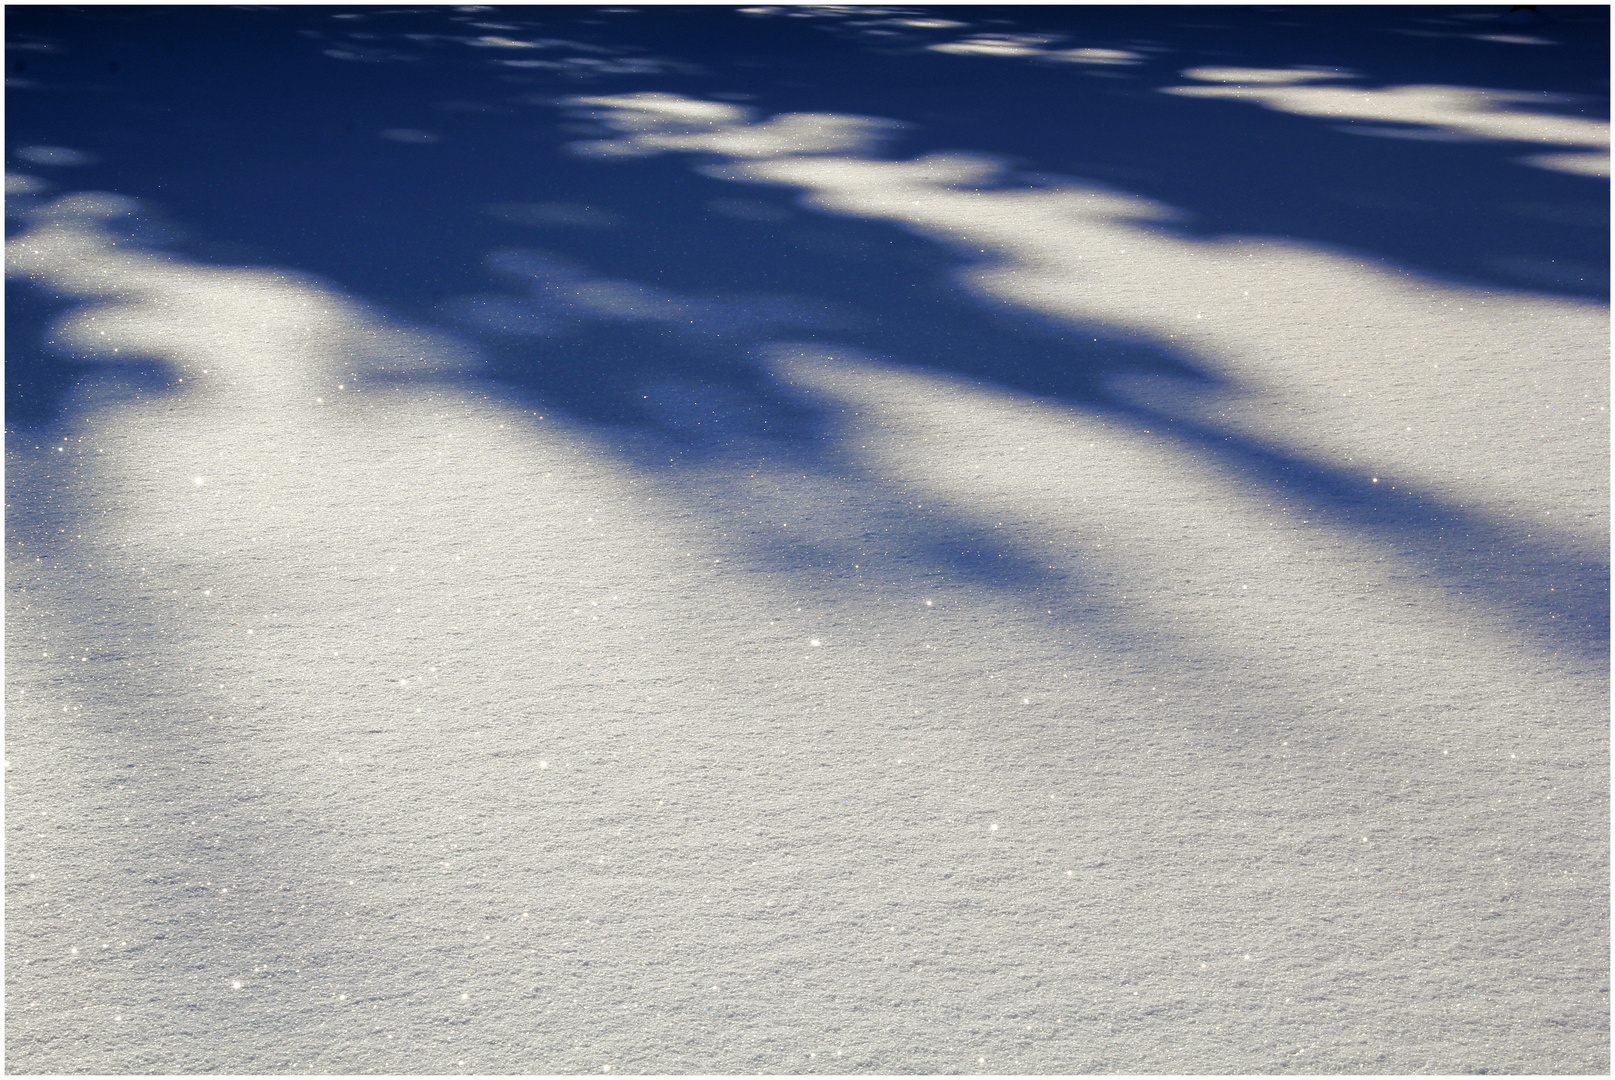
(53, 155)
(1100, 57)
(1440, 112)
(1034, 45)
(997, 45)
(274, 337)
(901, 31)
(494, 42)
(1267, 76)
(567, 56)
(1512, 39)
(23, 184)
(926, 24)
(1585, 164)
(587, 61)
(655, 123)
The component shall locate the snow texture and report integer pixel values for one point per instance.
(965, 620)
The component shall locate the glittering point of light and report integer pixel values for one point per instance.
(814, 643)
(543, 764)
(198, 481)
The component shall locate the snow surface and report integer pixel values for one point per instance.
(1245, 715)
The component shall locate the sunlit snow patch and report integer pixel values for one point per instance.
(1444, 113)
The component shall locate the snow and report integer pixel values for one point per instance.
(1240, 710)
